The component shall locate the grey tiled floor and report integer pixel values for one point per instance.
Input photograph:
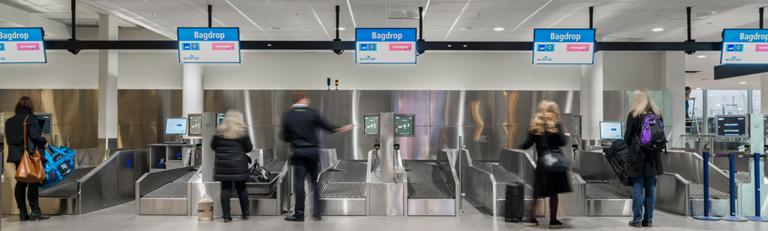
(122, 218)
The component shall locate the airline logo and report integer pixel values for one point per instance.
(223, 46)
(735, 48)
(733, 59)
(545, 59)
(191, 46)
(367, 58)
(28, 46)
(367, 46)
(400, 47)
(761, 47)
(2, 47)
(546, 48)
(578, 47)
(191, 58)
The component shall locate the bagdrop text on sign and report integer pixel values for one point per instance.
(386, 36)
(14, 35)
(750, 37)
(211, 35)
(566, 36)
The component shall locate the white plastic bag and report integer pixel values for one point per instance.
(205, 208)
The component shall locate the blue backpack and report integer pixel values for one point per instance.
(59, 165)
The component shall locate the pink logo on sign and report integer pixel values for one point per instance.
(223, 46)
(578, 47)
(400, 46)
(761, 47)
(28, 46)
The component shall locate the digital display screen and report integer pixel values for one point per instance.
(22, 45)
(219, 118)
(731, 126)
(744, 46)
(610, 130)
(209, 45)
(45, 122)
(371, 125)
(385, 45)
(563, 46)
(176, 126)
(403, 125)
(195, 125)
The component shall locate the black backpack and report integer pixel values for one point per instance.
(258, 173)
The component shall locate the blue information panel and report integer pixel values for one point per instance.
(564, 46)
(22, 45)
(209, 45)
(385, 45)
(744, 47)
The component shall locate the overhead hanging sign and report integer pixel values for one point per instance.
(744, 47)
(564, 46)
(209, 45)
(22, 45)
(385, 45)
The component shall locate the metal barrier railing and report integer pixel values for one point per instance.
(758, 215)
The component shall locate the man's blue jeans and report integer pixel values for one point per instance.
(640, 183)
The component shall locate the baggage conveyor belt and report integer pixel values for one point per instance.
(426, 181)
(175, 189)
(343, 189)
(64, 189)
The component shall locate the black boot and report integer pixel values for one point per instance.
(37, 215)
(23, 216)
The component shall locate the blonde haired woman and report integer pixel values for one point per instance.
(548, 133)
(642, 165)
(231, 143)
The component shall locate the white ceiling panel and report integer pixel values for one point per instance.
(482, 6)
(444, 6)
(178, 5)
(363, 6)
(404, 23)
(430, 15)
(138, 6)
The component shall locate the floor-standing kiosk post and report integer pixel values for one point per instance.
(387, 183)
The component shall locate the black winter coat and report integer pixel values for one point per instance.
(548, 184)
(231, 158)
(14, 135)
(640, 163)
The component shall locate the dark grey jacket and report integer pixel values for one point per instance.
(231, 158)
(14, 135)
(640, 163)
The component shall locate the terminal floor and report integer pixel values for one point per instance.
(122, 217)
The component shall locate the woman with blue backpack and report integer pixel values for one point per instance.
(645, 138)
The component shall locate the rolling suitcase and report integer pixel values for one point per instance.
(514, 206)
(617, 157)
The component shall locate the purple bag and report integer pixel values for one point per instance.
(652, 135)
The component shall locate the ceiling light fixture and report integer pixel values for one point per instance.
(498, 28)
(246, 17)
(701, 56)
(341, 28)
(529, 16)
(457, 19)
(658, 29)
(351, 15)
(466, 28)
(698, 88)
(743, 82)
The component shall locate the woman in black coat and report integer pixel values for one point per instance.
(547, 132)
(14, 134)
(642, 165)
(231, 143)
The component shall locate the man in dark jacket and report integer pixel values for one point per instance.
(14, 135)
(300, 130)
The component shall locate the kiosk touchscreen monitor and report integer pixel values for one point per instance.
(610, 130)
(45, 122)
(371, 125)
(731, 126)
(404, 125)
(176, 126)
(195, 124)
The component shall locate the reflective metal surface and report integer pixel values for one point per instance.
(668, 196)
(112, 182)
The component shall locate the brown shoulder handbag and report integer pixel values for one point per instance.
(30, 169)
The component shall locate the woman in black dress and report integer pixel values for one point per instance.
(548, 133)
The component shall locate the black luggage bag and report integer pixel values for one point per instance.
(617, 157)
(514, 206)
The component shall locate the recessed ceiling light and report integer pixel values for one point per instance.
(701, 56)
(743, 82)
(498, 29)
(698, 88)
(341, 28)
(658, 29)
(276, 28)
(466, 28)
